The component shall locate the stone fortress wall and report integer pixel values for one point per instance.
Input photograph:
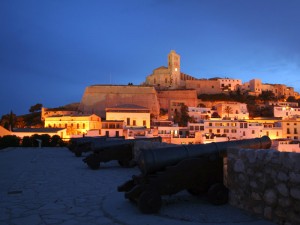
(166, 97)
(266, 183)
(97, 98)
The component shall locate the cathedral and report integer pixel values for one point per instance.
(169, 77)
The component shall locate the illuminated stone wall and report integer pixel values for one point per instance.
(97, 98)
(171, 100)
(204, 86)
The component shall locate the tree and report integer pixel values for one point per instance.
(228, 110)
(8, 121)
(9, 141)
(36, 108)
(291, 99)
(182, 117)
(267, 96)
(215, 115)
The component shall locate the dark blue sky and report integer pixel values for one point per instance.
(50, 50)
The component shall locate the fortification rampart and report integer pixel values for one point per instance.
(166, 97)
(265, 182)
(98, 97)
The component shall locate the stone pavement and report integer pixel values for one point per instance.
(52, 186)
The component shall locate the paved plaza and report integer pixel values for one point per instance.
(51, 186)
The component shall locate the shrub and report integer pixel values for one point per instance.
(9, 141)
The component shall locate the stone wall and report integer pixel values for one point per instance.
(166, 97)
(98, 97)
(266, 183)
(204, 86)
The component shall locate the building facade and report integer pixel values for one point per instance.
(75, 125)
(132, 115)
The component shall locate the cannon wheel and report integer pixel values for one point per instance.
(149, 202)
(196, 191)
(218, 194)
(77, 154)
(126, 163)
(93, 164)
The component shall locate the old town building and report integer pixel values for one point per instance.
(75, 125)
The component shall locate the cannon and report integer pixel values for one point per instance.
(195, 168)
(87, 144)
(74, 142)
(121, 150)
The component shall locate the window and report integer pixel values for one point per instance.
(288, 131)
(191, 127)
(241, 125)
(218, 131)
(107, 133)
(128, 121)
(245, 125)
(83, 125)
(196, 127)
(144, 123)
(253, 131)
(134, 122)
(117, 133)
(226, 131)
(201, 127)
(210, 124)
(295, 131)
(77, 126)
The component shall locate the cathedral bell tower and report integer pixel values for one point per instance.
(174, 69)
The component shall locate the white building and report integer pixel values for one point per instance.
(229, 84)
(199, 113)
(232, 110)
(286, 111)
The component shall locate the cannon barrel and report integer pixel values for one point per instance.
(152, 160)
(120, 143)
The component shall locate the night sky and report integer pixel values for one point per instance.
(50, 50)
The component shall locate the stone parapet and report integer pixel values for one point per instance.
(266, 183)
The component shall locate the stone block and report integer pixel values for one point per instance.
(256, 196)
(268, 213)
(294, 178)
(284, 202)
(253, 184)
(261, 154)
(258, 209)
(270, 197)
(282, 189)
(294, 218)
(282, 176)
(243, 180)
(251, 156)
(239, 166)
(295, 193)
